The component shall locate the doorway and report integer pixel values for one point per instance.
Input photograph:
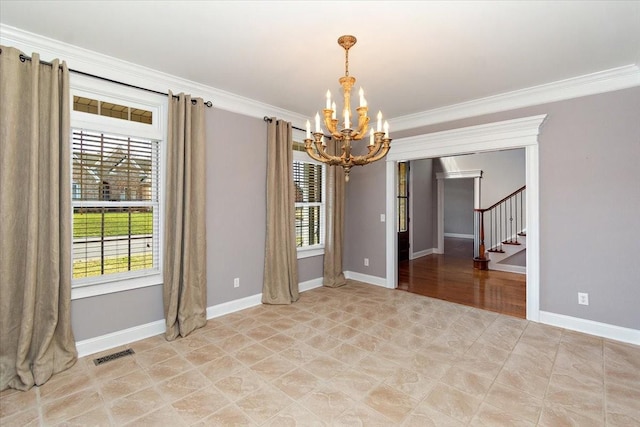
(403, 211)
(517, 133)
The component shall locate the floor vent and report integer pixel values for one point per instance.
(114, 356)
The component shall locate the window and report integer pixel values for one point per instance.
(115, 205)
(117, 167)
(308, 177)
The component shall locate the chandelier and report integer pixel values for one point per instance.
(379, 141)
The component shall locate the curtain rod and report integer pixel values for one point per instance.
(268, 119)
(193, 101)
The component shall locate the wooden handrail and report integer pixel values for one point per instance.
(497, 203)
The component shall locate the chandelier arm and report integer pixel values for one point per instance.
(325, 157)
(382, 152)
(308, 146)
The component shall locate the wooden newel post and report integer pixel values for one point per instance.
(481, 262)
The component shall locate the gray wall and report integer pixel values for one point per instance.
(589, 204)
(236, 216)
(423, 212)
(364, 233)
(458, 206)
(503, 172)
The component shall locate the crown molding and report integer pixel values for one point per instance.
(101, 65)
(590, 84)
(95, 63)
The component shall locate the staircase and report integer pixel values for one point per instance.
(502, 247)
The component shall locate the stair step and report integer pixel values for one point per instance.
(500, 251)
(523, 234)
(510, 243)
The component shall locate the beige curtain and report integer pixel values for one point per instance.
(280, 284)
(334, 222)
(185, 275)
(36, 340)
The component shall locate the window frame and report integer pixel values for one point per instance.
(156, 131)
(300, 156)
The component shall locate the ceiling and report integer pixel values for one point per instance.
(410, 57)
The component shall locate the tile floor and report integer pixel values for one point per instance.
(358, 355)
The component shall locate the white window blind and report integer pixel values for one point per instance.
(115, 199)
(308, 178)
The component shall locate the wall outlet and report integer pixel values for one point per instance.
(583, 298)
(383, 218)
(236, 282)
(366, 262)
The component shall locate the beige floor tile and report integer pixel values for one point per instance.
(554, 416)
(354, 383)
(182, 385)
(169, 368)
(521, 405)
(264, 403)
(413, 383)
(490, 416)
(327, 402)
(261, 332)
(190, 343)
(524, 380)
(165, 416)
(239, 384)
(325, 367)
(98, 417)
(577, 399)
(390, 402)
(468, 382)
(300, 353)
(204, 354)
(453, 402)
(425, 416)
(71, 406)
(230, 415)
(220, 368)
(153, 356)
(199, 405)
(272, 367)
(295, 416)
(354, 355)
(14, 401)
(297, 383)
(621, 399)
(28, 417)
(134, 406)
(235, 342)
(362, 415)
(323, 341)
(278, 342)
(252, 354)
(119, 387)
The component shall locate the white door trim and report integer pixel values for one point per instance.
(517, 133)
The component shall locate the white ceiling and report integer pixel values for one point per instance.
(410, 56)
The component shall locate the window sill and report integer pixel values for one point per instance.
(87, 291)
(310, 252)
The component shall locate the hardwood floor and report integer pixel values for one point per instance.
(451, 277)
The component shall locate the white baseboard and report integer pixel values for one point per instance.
(118, 338)
(372, 280)
(459, 236)
(310, 284)
(137, 333)
(508, 268)
(233, 306)
(420, 254)
(604, 330)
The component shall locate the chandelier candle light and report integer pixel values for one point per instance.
(379, 141)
